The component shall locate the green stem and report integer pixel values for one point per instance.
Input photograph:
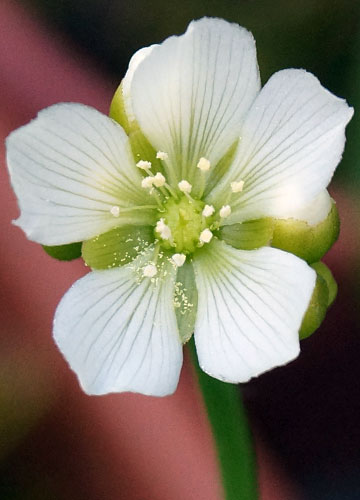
(231, 433)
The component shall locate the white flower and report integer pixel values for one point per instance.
(75, 176)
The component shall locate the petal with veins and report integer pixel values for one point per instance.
(69, 167)
(291, 142)
(121, 335)
(190, 94)
(250, 308)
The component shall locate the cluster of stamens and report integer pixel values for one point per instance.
(206, 218)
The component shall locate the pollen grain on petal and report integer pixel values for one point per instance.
(225, 211)
(149, 271)
(178, 259)
(237, 186)
(205, 236)
(204, 164)
(163, 230)
(185, 186)
(208, 210)
(115, 211)
(144, 165)
(161, 155)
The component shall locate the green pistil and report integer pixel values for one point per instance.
(185, 220)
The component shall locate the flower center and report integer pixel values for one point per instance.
(181, 225)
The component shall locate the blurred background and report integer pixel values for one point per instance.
(55, 442)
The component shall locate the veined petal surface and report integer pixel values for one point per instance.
(291, 142)
(119, 334)
(69, 167)
(250, 308)
(190, 94)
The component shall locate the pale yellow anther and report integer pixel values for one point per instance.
(185, 186)
(178, 259)
(147, 182)
(205, 236)
(163, 230)
(158, 180)
(237, 186)
(208, 210)
(144, 165)
(225, 211)
(161, 155)
(149, 271)
(204, 165)
(115, 211)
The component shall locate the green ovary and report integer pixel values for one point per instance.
(185, 220)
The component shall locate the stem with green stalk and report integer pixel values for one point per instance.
(231, 433)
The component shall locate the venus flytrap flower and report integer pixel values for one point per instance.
(166, 263)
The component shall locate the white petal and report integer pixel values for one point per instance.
(136, 59)
(314, 212)
(190, 93)
(251, 304)
(121, 335)
(291, 142)
(69, 167)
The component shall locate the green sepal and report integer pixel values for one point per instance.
(248, 235)
(185, 300)
(116, 247)
(308, 242)
(117, 110)
(140, 146)
(143, 150)
(220, 169)
(323, 271)
(316, 310)
(64, 252)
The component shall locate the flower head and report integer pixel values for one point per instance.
(179, 201)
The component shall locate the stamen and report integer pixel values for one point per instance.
(161, 155)
(204, 164)
(178, 259)
(149, 271)
(144, 165)
(115, 211)
(225, 211)
(185, 186)
(147, 182)
(159, 180)
(205, 236)
(237, 186)
(163, 230)
(208, 210)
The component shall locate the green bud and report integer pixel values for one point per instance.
(323, 296)
(323, 271)
(64, 252)
(248, 235)
(307, 242)
(116, 247)
(316, 310)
